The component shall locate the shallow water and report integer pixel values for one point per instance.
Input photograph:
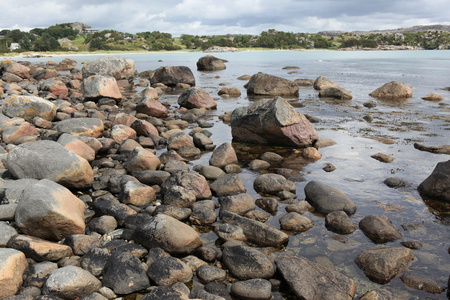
(357, 174)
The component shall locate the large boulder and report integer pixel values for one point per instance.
(437, 186)
(272, 122)
(115, 66)
(247, 263)
(100, 86)
(322, 83)
(13, 264)
(326, 199)
(196, 97)
(269, 85)
(15, 68)
(392, 90)
(50, 160)
(309, 280)
(28, 107)
(50, 211)
(210, 63)
(172, 75)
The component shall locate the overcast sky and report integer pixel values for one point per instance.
(209, 17)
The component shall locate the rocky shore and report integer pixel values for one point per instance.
(99, 201)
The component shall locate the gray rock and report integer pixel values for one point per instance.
(39, 249)
(227, 232)
(420, 283)
(81, 243)
(28, 107)
(269, 85)
(392, 90)
(268, 204)
(273, 122)
(193, 182)
(210, 63)
(338, 93)
(339, 222)
(95, 260)
(437, 185)
(151, 177)
(211, 172)
(255, 231)
(325, 198)
(252, 289)
(90, 127)
(70, 282)
(322, 83)
(6, 233)
(13, 264)
(11, 190)
(227, 185)
(176, 165)
(115, 66)
(38, 273)
(207, 273)
(383, 264)
(247, 263)
(300, 207)
(202, 141)
(271, 183)
(258, 165)
(379, 229)
(103, 224)
(49, 160)
(239, 204)
(124, 274)
(178, 213)
(203, 213)
(309, 280)
(164, 293)
(168, 271)
(178, 196)
(295, 222)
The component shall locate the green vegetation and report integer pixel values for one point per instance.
(64, 37)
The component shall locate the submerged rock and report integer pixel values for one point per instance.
(325, 198)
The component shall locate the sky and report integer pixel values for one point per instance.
(218, 17)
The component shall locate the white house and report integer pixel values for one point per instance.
(14, 46)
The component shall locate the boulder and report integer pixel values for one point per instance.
(56, 213)
(193, 182)
(295, 222)
(210, 63)
(54, 86)
(379, 229)
(273, 122)
(309, 280)
(322, 83)
(99, 86)
(6, 231)
(269, 85)
(230, 92)
(227, 185)
(196, 97)
(115, 66)
(437, 186)
(141, 159)
(420, 283)
(13, 264)
(247, 263)
(271, 183)
(239, 203)
(252, 289)
(15, 133)
(433, 97)
(15, 68)
(90, 127)
(392, 90)
(168, 233)
(325, 198)
(46, 159)
(70, 282)
(164, 293)
(381, 265)
(223, 155)
(172, 75)
(28, 107)
(39, 249)
(66, 64)
(152, 107)
(77, 146)
(339, 222)
(338, 93)
(120, 133)
(168, 271)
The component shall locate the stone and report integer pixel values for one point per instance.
(196, 97)
(6, 233)
(274, 122)
(81, 243)
(172, 75)
(56, 213)
(178, 196)
(193, 182)
(14, 133)
(301, 207)
(164, 293)
(124, 273)
(99, 86)
(252, 289)
(179, 213)
(38, 273)
(70, 282)
(15, 68)
(152, 107)
(203, 213)
(382, 157)
(211, 172)
(268, 204)
(258, 165)
(418, 283)
(28, 107)
(392, 90)
(141, 159)
(207, 273)
(269, 85)
(229, 91)
(322, 83)
(12, 267)
(230, 232)
(339, 222)
(381, 265)
(54, 86)
(210, 63)
(433, 97)
(39, 249)
(295, 222)
(304, 82)
(66, 64)
(337, 93)
(114, 65)
(76, 146)
(151, 177)
(325, 198)
(120, 133)
(168, 233)
(271, 183)
(239, 203)
(223, 155)
(379, 229)
(202, 141)
(178, 140)
(168, 271)
(103, 224)
(144, 128)
(136, 193)
(95, 260)
(227, 185)
(90, 127)
(393, 182)
(437, 185)
(193, 262)
(309, 280)
(255, 231)
(247, 263)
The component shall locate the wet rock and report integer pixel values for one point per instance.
(393, 182)
(339, 222)
(309, 280)
(238, 203)
(56, 212)
(168, 271)
(255, 231)
(322, 83)
(141, 159)
(91, 127)
(39, 249)
(229, 91)
(223, 155)
(125, 274)
(393, 89)
(230, 232)
(420, 283)
(383, 264)
(28, 107)
(100, 86)
(295, 222)
(268, 204)
(211, 172)
(382, 157)
(379, 229)
(338, 93)
(445, 149)
(304, 82)
(272, 122)
(415, 245)
(258, 165)
(109, 205)
(12, 267)
(252, 289)
(210, 63)
(272, 184)
(193, 182)
(171, 76)
(301, 207)
(329, 168)
(177, 140)
(203, 213)
(311, 153)
(437, 185)
(247, 263)
(207, 273)
(115, 66)
(433, 97)
(272, 158)
(325, 198)
(227, 185)
(168, 233)
(269, 85)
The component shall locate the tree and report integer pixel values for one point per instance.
(97, 44)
